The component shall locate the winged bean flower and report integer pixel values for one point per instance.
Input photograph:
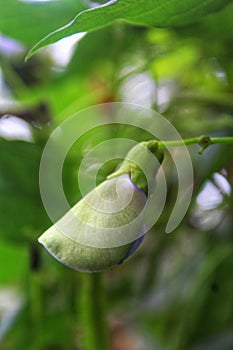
(106, 226)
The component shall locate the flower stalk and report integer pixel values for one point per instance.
(139, 156)
(93, 315)
(204, 141)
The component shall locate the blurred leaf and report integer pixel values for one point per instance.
(175, 63)
(29, 22)
(13, 262)
(21, 211)
(171, 13)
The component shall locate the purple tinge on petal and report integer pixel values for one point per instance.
(132, 249)
(138, 241)
(138, 188)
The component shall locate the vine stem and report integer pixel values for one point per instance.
(204, 141)
(136, 156)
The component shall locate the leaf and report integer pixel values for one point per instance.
(22, 214)
(21, 211)
(166, 13)
(13, 262)
(28, 22)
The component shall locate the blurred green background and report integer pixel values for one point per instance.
(176, 292)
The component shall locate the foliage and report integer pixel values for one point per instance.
(176, 292)
(168, 14)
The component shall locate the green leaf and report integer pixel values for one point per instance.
(13, 262)
(166, 13)
(22, 214)
(29, 22)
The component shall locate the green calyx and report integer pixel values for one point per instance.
(144, 158)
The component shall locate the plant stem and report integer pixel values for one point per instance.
(204, 141)
(135, 155)
(227, 140)
(198, 140)
(93, 312)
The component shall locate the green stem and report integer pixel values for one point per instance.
(227, 140)
(93, 312)
(138, 157)
(204, 141)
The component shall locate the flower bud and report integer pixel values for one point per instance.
(64, 240)
(106, 226)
